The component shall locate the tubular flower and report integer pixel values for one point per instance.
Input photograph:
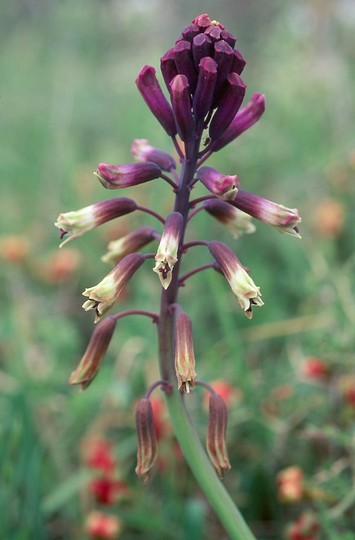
(141, 150)
(129, 243)
(244, 288)
(184, 352)
(216, 434)
(225, 187)
(285, 220)
(122, 176)
(236, 221)
(152, 94)
(90, 363)
(166, 256)
(147, 441)
(243, 120)
(78, 222)
(104, 295)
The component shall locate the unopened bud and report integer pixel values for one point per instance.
(244, 288)
(147, 451)
(243, 120)
(225, 187)
(184, 352)
(131, 174)
(231, 98)
(207, 78)
(201, 47)
(104, 295)
(216, 435)
(181, 102)
(185, 63)
(90, 363)
(166, 256)
(152, 94)
(142, 151)
(131, 242)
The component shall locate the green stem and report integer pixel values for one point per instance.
(184, 430)
(196, 457)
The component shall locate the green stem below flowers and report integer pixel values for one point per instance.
(184, 429)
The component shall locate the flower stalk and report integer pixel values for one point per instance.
(202, 75)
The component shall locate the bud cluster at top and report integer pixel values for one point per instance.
(202, 73)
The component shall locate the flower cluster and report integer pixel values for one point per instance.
(201, 112)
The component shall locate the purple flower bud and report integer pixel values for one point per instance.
(147, 451)
(202, 21)
(216, 435)
(142, 151)
(214, 32)
(223, 56)
(201, 47)
(236, 221)
(229, 103)
(90, 363)
(244, 288)
(238, 63)
(131, 242)
(152, 94)
(190, 31)
(207, 78)
(185, 63)
(229, 38)
(285, 220)
(243, 120)
(219, 184)
(131, 174)
(103, 296)
(168, 67)
(181, 102)
(184, 352)
(166, 256)
(78, 222)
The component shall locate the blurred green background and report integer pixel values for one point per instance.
(67, 102)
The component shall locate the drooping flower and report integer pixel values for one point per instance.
(285, 220)
(147, 452)
(235, 220)
(216, 434)
(184, 352)
(129, 243)
(90, 363)
(103, 295)
(78, 222)
(167, 253)
(247, 293)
